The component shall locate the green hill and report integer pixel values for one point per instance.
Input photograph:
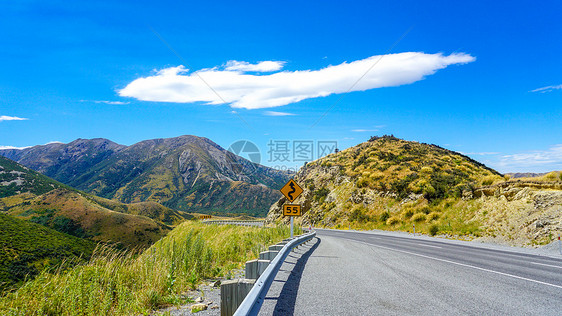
(16, 179)
(392, 184)
(87, 216)
(28, 248)
(389, 183)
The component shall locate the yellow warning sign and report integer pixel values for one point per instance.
(291, 190)
(292, 210)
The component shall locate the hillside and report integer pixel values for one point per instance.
(16, 179)
(130, 283)
(27, 248)
(86, 216)
(393, 184)
(186, 173)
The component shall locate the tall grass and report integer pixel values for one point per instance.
(126, 283)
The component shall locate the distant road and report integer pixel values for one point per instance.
(353, 273)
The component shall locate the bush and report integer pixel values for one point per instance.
(362, 182)
(433, 230)
(358, 215)
(407, 213)
(392, 221)
(419, 217)
(433, 216)
(384, 216)
(321, 194)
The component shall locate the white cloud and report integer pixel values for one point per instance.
(251, 91)
(13, 147)
(275, 113)
(263, 66)
(364, 130)
(375, 129)
(106, 102)
(24, 147)
(11, 118)
(533, 160)
(548, 88)
(484, 153)
(112, 102)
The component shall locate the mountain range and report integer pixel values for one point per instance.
(186, 173)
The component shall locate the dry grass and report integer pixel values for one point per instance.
(127, 283)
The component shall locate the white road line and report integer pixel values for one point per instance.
(543, 264)
(461, 264)
(429, 246)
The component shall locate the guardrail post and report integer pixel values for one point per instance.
(268, 255)
(233, 293)
(275, 247)
(254, 268)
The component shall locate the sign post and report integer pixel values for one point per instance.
(292, 227)
(291, 191)
(559, 244)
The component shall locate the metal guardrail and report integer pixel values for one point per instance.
(235, 222)
(254, 300)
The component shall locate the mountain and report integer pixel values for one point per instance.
(27, 248)
(16, 179)
(186, 173)
(64, 161)
(392, 184)
(526, 174)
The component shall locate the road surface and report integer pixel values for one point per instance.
(354, 273)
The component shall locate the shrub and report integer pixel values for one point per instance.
(407, 213)
(419, 217)
(358, 215)
(433, 216)
(321, 194)
(384, 216)
(362, 182)
(433, 230)
(426, 210)
(392, 221)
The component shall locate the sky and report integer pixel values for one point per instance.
(294, 77)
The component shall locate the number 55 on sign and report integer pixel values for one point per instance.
(292, 210)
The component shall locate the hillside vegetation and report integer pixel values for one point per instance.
(16, 179)
(26, 249)
(86, 216)
(123, 283)
(186, 173)
(392, 184)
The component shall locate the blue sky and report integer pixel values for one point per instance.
(481, 78)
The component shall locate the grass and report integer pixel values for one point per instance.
(126, 283)
(27, 248)
(453, 217)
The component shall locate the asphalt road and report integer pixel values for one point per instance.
(354, 273)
